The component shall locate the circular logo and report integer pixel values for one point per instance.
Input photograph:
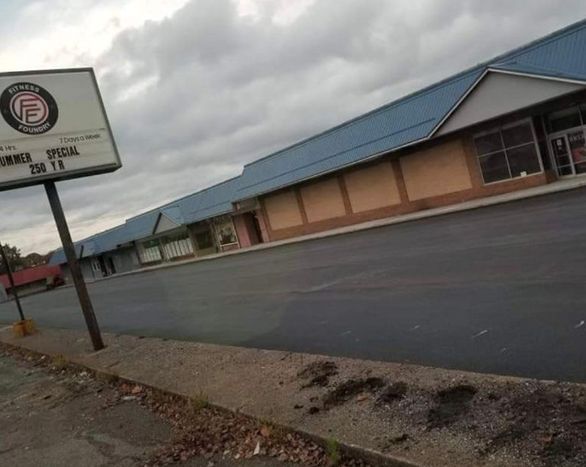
(28, 108)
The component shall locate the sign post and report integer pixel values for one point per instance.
(53, 126)
(69, 249)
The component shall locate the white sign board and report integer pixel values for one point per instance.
(53, 126)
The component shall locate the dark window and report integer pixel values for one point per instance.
(563, 120)
(516, 135)
(583, 112)
(523, 160)
(494, 167)
(507, 153)
(204, 240)
(488, 143)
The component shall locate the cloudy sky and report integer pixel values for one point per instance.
(196, 88)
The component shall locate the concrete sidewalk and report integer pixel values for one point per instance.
(555, 187)
(402, 414)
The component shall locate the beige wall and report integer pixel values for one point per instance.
(372, 187)
(323, 200)
(282, 210)
(436, 171)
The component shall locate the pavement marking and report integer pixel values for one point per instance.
(481, 333)
(579, 325)
(414, 328)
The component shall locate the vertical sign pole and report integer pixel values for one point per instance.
(69, 249)
(11, 281)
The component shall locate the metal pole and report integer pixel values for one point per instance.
(11, 281)
(69, 249)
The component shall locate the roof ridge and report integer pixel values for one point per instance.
(539, 42)
(554, 35)
(401, 100)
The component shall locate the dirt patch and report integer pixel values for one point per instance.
(348, 389)
(393, 392)
(548, 422)
(318, 373)
(451, 405)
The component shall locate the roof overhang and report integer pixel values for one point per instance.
(500, 91)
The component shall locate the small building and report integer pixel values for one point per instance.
(33, 280)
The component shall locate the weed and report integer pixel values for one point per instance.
(333, 451)
(59, 362)
(198, 402)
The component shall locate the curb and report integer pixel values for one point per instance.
(372, 457)
(369, 225)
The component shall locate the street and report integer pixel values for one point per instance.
(497, 289)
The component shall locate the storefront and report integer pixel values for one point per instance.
(168, 247)
(225, 233)
(567, 140)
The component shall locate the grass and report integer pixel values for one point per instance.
(333, 451)
(59, 362)
(198, 402)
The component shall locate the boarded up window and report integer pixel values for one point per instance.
(372, 187)
(323, 200)
(283, 210)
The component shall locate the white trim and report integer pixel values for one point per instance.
(538, 76)
(458, 103)
(504, 72)
(499, 128)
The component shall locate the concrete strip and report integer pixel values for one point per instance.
(556, 187)
(230, 378)
(266, 385)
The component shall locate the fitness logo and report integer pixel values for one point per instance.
(28, 108)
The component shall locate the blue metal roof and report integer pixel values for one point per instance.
(211, 202)
(406, 121)
(205, 204)
(409, 119)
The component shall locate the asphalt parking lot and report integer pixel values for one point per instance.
(498, 289)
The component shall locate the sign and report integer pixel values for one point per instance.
(53, 126)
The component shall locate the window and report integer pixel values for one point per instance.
(150, 252)
(177, 246)
(507, 152)
(225, 231)
(564, 120)
(204, 240)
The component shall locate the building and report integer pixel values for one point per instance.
(33, 280)
(196, 225)
(510, 123)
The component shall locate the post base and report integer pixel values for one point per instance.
(24, 328)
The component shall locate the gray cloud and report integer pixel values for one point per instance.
(193, 97)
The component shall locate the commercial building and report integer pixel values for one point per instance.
(32, 280)
(513, 122)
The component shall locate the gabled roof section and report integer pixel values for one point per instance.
(204, 204)
(411, 119)
(500, 93)
(168, 219)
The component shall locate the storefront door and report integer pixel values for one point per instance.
(569, 152)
